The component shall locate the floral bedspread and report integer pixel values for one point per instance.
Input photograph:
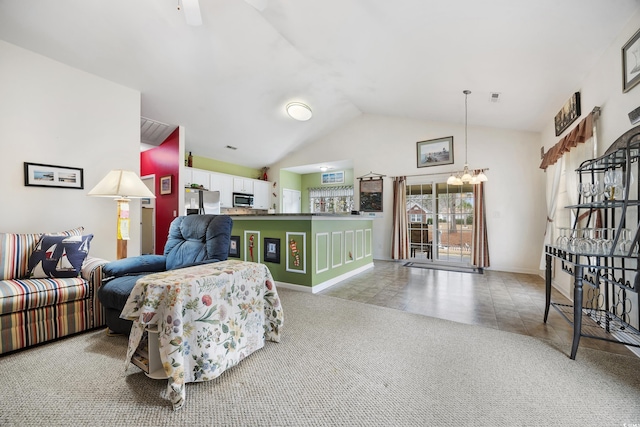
(209, 318)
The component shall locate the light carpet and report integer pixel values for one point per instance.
(340, 363)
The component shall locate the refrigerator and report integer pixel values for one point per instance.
(200, 202)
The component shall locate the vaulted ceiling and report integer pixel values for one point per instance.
(227, 81)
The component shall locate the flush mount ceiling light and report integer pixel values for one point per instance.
(299, 111)
(466, 177)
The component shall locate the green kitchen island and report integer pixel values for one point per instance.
(309, 252)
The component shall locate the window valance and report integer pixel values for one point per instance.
(581, 133)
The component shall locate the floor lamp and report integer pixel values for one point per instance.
(122, 185)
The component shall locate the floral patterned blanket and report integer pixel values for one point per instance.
(209, 317)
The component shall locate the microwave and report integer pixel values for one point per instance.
(241, 200)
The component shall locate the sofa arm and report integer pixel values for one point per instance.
(92, 269)
(135, 265)
(92, 273)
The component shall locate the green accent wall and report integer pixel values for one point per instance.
(290, 180)
(224, 167)
(332, 247)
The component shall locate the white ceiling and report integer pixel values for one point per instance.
(228, 80)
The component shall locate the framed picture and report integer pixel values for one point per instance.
(165, 185)
(435, 152)
(234, 247)
(371, 195)
(569, 113)
(272, 250)
(39, 175)
(631, 63)
(333, 177)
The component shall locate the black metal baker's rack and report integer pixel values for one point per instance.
(609, 310)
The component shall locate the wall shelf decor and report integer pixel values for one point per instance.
(568, 114)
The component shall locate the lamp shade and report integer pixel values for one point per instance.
(121, 183)
(299, 111)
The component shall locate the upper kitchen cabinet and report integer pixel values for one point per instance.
(243, 185)
(201, 177)
(224, 184)
(261, 195)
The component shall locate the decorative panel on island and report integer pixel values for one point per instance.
(305, 250)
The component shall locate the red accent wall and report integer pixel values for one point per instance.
(161, 161)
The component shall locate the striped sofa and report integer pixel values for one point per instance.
(33, 311)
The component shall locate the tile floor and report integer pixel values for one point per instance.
(507, 301)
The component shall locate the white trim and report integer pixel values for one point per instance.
(333, 248)
(302, 252)
(353, 242)
(359, 247)
(326, 236)
(368, 247)
(324, 285)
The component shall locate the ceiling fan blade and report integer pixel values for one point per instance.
(258, 4)
(191, 9)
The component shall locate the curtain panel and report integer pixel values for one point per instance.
(579, 134)
(400, 237)
(480, 243)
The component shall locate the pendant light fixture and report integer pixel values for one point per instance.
(466, 177)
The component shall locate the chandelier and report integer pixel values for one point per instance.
(466, 177)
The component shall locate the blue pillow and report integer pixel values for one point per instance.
(59, 256)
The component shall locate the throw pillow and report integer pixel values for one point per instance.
(59, 256)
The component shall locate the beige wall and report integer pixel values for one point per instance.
(514, 193)
(54, 114)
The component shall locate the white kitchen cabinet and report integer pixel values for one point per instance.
(188, 177)
(224, 184)
(201, 177)
(243, 185)
(261, 194)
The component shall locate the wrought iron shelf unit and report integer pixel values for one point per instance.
(601, 249)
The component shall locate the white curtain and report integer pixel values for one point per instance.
(553, 189)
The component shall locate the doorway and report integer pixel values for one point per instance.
(291, 201)
(440, 222)
(148, 219)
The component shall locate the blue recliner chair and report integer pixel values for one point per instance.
(193, 240)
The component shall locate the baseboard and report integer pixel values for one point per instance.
(326, 284)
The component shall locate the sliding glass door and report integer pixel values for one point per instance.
(440, 222)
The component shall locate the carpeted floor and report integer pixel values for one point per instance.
(340, 363)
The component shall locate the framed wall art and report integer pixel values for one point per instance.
(234, 247)
(371, 195)
(41, 175)
(631, 63)
(435, 152)
(272, 250)
(332, 177)
(165, 185)
(568, 114)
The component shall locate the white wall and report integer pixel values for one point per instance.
(602, 87)
(514, 193)
(53, 114)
